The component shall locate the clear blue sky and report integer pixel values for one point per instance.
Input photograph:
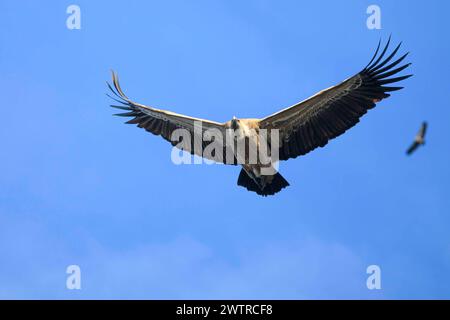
(79, 187)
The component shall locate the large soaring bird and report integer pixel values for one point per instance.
(301, 128)
(419, 140)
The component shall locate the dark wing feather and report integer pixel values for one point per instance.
(412, 148)
(312, 123)
(164, 123)
(423, 130)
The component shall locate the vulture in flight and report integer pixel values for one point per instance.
(419, 139)
(300, 128)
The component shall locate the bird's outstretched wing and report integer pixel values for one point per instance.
(328, 114)
(164, 123)
(412, 148)
(423, 130)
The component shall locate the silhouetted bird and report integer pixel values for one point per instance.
(419, 139)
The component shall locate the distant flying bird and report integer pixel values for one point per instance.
(302, 127)
(419, 140)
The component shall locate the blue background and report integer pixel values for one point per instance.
(79, 187)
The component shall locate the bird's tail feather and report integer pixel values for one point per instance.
(270, 188)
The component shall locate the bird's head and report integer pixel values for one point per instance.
(234, 123)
